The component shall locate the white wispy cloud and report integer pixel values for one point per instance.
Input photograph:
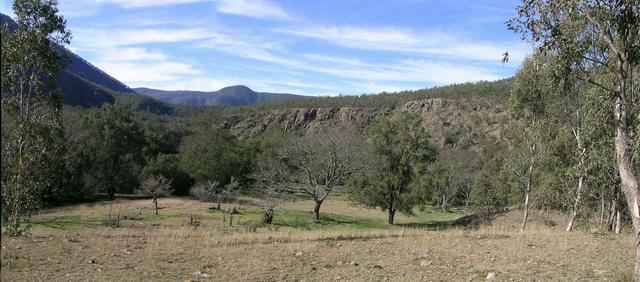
(121, 53)
(100, 37)
(262, 9)
(252, 8)
(435, 43)
(143, 73)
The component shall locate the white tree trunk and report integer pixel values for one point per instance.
(622, 108)
(526, 198)
(576, 204)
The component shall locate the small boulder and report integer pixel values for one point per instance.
(201, 274)
(491, 276)
(299, 253)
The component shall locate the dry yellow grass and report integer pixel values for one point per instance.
(166, 249)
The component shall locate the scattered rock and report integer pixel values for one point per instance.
(491, 276)
(93, 260)
(128, 252)
(425, 263)
(339, 245)
(472, 270)
(353, 263)
(339, 263)
(377, 266)
(299, 253)
(201, 274)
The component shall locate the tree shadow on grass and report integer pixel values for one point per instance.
(467, 221)
(306, 221)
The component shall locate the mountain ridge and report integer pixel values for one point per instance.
(82, 83)
(234, 96)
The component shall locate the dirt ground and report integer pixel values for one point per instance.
(168, 249)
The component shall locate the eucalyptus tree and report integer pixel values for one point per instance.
(528, 102)
(31, 58)
(402, 153)
(595, 37)
(115, 141)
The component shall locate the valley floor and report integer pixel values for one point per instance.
(350, 243)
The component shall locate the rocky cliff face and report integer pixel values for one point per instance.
(467, 122)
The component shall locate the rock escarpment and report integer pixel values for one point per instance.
(449, 122)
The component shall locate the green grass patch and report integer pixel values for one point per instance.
(305, 221)
(66, 222)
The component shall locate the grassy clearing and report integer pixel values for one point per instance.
(348, 243)
(337, 214)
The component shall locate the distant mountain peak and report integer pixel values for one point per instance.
(236, 95)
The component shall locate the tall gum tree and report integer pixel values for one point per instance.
(30, 60)
(595, 36)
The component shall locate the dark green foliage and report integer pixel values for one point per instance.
(214, 154)
(403, 151)
(115, 141)
(490, 193)
(167, 166)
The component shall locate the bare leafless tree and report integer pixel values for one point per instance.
(270, 185)
(318, 162)
(313, 164)
(212, 190)
(155, 187)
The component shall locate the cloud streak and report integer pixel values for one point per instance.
(252, 8)
(431, 43)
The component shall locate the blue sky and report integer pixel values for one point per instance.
(304, 47)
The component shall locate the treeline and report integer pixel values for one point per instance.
(494, 90)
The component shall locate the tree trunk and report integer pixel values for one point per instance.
(444, 203)
(526, 197)
(268, 216)
(392, 215)
(621, 108)
(576, 204)
(316, 210)
(602, 209)
(618, 222)
(572, 218)
(155, 203)
(612, 214)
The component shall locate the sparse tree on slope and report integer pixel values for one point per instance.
(30, 60)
